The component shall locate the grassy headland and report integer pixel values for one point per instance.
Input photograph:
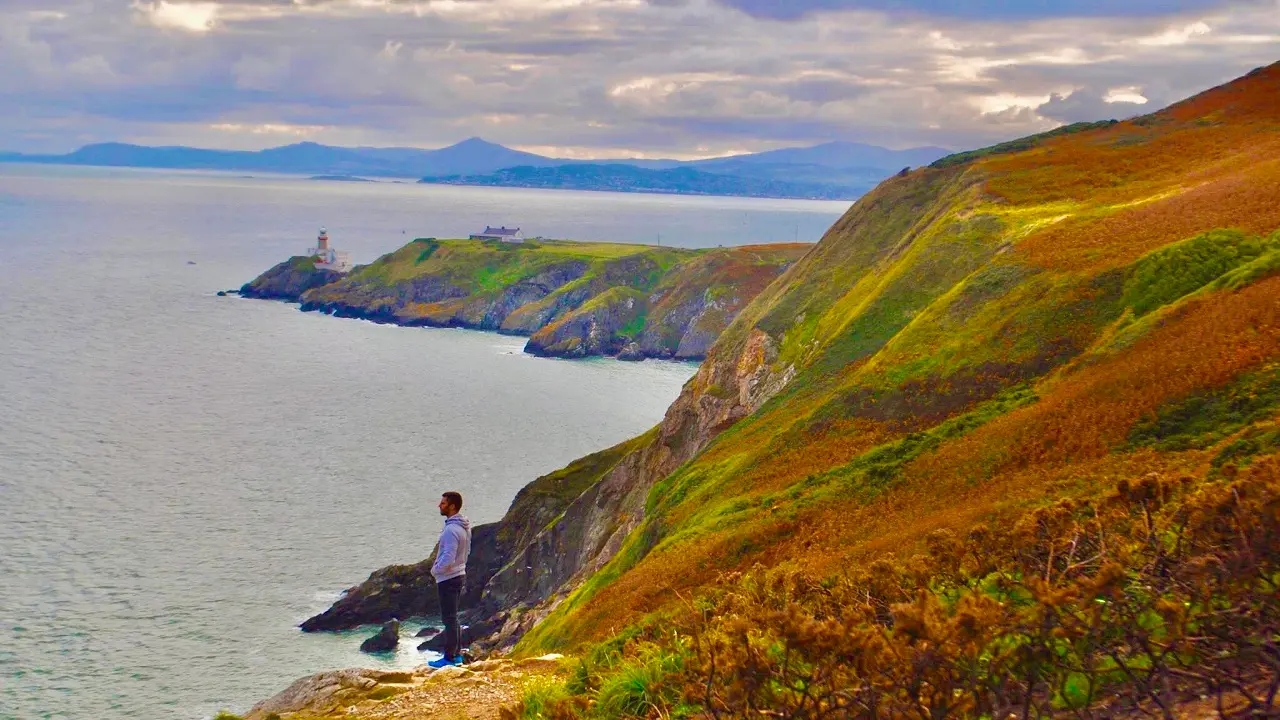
(574, 298)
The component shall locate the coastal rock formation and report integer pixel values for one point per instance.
(385, 641)
(288, 280)
(326, 691)
(598, 327)
(404, 591)
(573, 299)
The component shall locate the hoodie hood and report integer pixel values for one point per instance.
(458, 519)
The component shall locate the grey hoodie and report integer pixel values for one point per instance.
(455, 546)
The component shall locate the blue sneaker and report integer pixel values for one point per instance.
(441, 662)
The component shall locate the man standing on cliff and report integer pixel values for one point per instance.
(450, 572)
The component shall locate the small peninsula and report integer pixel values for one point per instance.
(572, 299)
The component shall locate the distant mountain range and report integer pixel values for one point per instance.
(832, 170)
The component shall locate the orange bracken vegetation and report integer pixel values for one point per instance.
(1208, 162)
(1244, 198)
(1087, 413)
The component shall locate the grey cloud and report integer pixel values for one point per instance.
(820, 91)
(1087, 106)
(999, 9)
(662, 78)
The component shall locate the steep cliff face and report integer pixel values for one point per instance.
(289, 280)
(600, 326)
(700, 300)
(575, 299)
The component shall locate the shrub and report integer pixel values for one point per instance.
(642, 687)
(1135, 600)
(1131, 601)
(544, 698)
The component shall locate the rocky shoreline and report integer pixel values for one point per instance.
(572, 300)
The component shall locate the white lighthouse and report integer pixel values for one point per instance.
(327, 258)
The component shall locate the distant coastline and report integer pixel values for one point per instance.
(674, 181)
(341, 178)
(831, 171)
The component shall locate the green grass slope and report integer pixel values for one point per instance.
(905, 455)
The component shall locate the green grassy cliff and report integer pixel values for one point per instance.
(973, 455)
(573, 299)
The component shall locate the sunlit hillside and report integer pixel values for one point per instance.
(1004, 441)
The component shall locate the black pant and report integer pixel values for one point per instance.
(450, 590)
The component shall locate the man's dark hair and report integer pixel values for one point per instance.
(454, 498)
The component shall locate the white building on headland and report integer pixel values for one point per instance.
(505, 234)
(327, 258)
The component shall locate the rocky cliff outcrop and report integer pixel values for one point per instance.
(599, 327)
(595, 527)
(405, 591)
(289, 280)
(399, 592)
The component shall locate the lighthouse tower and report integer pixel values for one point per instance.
(326, 257)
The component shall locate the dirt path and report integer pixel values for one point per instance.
(473, 692)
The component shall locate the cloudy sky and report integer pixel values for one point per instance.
(604, 78)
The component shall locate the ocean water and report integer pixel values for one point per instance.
(184, 478)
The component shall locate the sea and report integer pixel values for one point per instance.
(186, 477)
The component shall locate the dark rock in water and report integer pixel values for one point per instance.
(386, 639)
(631, 351)
(191, 262)
(428, 632)
(222, 293)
